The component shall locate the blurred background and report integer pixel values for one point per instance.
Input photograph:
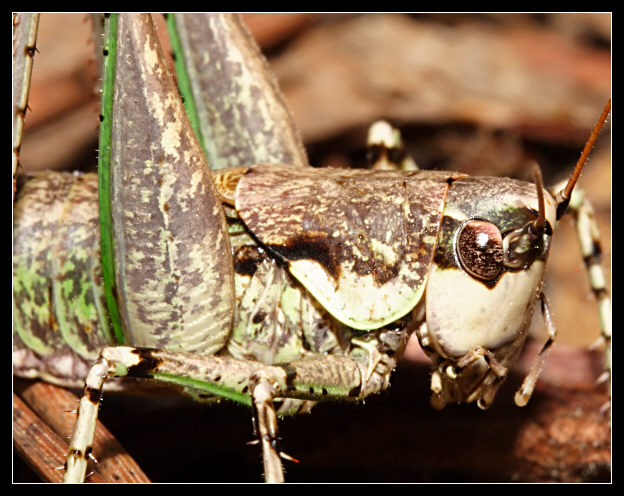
(481, 94)
(478, 93)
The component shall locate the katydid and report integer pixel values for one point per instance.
(295, 284)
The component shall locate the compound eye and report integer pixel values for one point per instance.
(480, 249)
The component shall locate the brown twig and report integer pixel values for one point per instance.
(41, 437)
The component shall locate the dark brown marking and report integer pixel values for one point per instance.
(374, 153)
(258, 317)
(92, 394)
(397, 155)
(317, 246)
(246, 260)
(354, 392)
(600, 293)
(291, 374)
(233, 221)
(594, 257)
(147, 365)
(561, 208)
(76, 453)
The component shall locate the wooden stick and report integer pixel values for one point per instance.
(54, 406)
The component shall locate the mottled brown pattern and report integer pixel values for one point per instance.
(174, 271)
(504, 201)
(78, 288)
(244, 118)
(36, 219)
(276, 319)
(360, 241)
(335, 217)
(58, 294)
(508, 203)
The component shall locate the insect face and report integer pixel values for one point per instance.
(484, 281)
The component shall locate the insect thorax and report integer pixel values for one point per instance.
(277, 320)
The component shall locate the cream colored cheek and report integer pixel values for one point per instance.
(463, 313)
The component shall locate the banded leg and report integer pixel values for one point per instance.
(591, 251)
(228, 378)
(81, 444)
(386, 150)
(250, 383)
(25, 28)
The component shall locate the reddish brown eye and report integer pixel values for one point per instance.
(480, 249)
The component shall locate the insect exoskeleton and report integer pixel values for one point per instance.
(468, 251)
(291, 284)
(483, 284)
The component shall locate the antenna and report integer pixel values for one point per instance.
(563, 197)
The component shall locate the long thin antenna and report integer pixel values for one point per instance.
(563, 197)
(538, 223)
